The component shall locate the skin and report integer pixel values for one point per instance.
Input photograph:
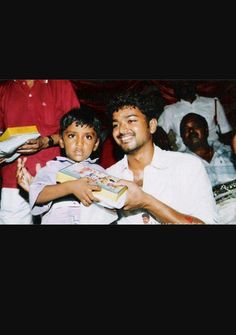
(79, 142)
(146, 219)
(233, 143)
(133, 134)
(195, 136)
(34, 145)
(24, 178)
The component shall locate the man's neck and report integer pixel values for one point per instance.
(205, 152)
(30, 83)
(141, 158)
(138, 160)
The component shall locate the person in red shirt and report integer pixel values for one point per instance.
(25, 103)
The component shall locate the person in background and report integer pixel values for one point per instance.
(147, 218)
(31, 102)
(190, 102)
(172, 187)
(218, 161)
(160, 137)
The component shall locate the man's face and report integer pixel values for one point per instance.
(194, 134)
(79, 142)
(130, 129)
(145, 219)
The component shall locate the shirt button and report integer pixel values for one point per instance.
(30, 95)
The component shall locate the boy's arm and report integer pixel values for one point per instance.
(81, 188)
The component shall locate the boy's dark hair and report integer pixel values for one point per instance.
(134, 99)
(145, 215)
(84, 116)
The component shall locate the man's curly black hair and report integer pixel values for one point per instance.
(132, 99)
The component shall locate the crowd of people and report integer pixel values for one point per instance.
(189, 178)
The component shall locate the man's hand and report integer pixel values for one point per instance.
(34, 145)
(135, 195)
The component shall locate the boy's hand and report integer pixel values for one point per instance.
(24, 178)
(83, 188)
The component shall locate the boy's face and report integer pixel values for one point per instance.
(79, 142)
(131, 130)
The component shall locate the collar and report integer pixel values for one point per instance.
(66, 159)
(159, 159)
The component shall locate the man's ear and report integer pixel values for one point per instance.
(153, 125)
(61, 143)
(96, 145)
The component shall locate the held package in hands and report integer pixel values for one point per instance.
(111, 196)
(13, 138)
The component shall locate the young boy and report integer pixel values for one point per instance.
(71, 202)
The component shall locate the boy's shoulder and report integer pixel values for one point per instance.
(58, 161)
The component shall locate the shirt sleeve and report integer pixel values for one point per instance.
(197, 191)
(45, 176)
(222, 120)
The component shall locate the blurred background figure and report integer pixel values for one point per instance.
(218, 161)
(23, 103)
(160, 137)
(190, 102)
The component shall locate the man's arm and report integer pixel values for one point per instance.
(137, 198)
(34, 145)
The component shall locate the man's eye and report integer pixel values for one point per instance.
(114, 125)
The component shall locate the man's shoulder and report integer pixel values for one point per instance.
(168, 111)
(116, 166)
(172, 106)
(201, 98)
(184, 158)
(60, 84)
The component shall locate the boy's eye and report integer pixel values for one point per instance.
(89, 137)
(71, 135)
